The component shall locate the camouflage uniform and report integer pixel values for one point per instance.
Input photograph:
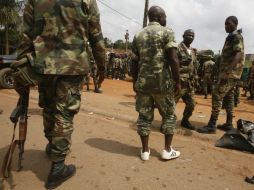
(116, 66)
(57, 34)
(188, 74)
(251, 82)
(154, 84)
(207, 72)
(224, 87)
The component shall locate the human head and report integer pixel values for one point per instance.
(188, 37)
(231, 24)
(157, 14)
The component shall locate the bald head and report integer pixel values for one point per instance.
(188, 31)
(157, 14)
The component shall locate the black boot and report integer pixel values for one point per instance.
(97, 90)
(205, 96)
(186, 124)
(59, 173)
(48, 149)
(250, 98)
(210, 128)
(228, 125)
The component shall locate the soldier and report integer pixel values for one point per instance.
(231, 66)
(116, 66)
(93, 72)
(251, 82)
(57, 33)
(188, 75)
(207, 74)
(87, 81)
(154, 50)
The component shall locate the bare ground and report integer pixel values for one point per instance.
(105, 147)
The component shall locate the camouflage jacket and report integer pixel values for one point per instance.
(233, 44)
(188, 62)
(208, 66)
(58, 33)
(149, 47)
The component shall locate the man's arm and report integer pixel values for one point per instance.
(95, 36)
(238, 58)
(174, 64)
(134, 62)
(29, 32)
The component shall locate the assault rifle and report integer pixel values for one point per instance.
(18, 116)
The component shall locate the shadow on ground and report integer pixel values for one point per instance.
(116, 147)
(34, 160)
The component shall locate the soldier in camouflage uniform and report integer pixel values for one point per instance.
(207, 75)
(57, 33)
(154, 50)
(251, 82)
(188, 74)
(231, 66)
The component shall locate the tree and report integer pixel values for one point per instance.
(107, 42)
(119, 44)
(8, 17)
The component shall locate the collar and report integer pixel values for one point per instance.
(153, 23)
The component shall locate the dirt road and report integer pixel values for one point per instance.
(105, 148)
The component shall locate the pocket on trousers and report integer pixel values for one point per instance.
(74, 99)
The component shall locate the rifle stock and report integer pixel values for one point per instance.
(18, 116)
(23, 125)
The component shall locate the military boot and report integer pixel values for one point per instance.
(205, 96)
(250, 98)
(228, 125)
(59, 173)
(97, 90)
(186, 124)
(210, 128)
(48, 149)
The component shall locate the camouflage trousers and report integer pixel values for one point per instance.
(251, 87)
(145, 104)
(207, 82)
(187, 95)
(224, 90)
(60, 98)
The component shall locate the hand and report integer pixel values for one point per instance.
(177, 89)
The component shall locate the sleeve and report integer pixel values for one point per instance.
(26, 44)
(134, 48)
(170, 39)
(95, 36)
(135, 59)
(238, 45)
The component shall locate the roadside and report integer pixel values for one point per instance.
(106, 147)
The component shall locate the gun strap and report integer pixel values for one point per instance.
(6, 165)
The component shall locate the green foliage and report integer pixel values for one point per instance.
(107, 42)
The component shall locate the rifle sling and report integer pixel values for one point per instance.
(6, 166)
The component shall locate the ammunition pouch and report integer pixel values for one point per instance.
(24, 73)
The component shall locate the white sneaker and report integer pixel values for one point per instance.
(165, 155)
(144, 155)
